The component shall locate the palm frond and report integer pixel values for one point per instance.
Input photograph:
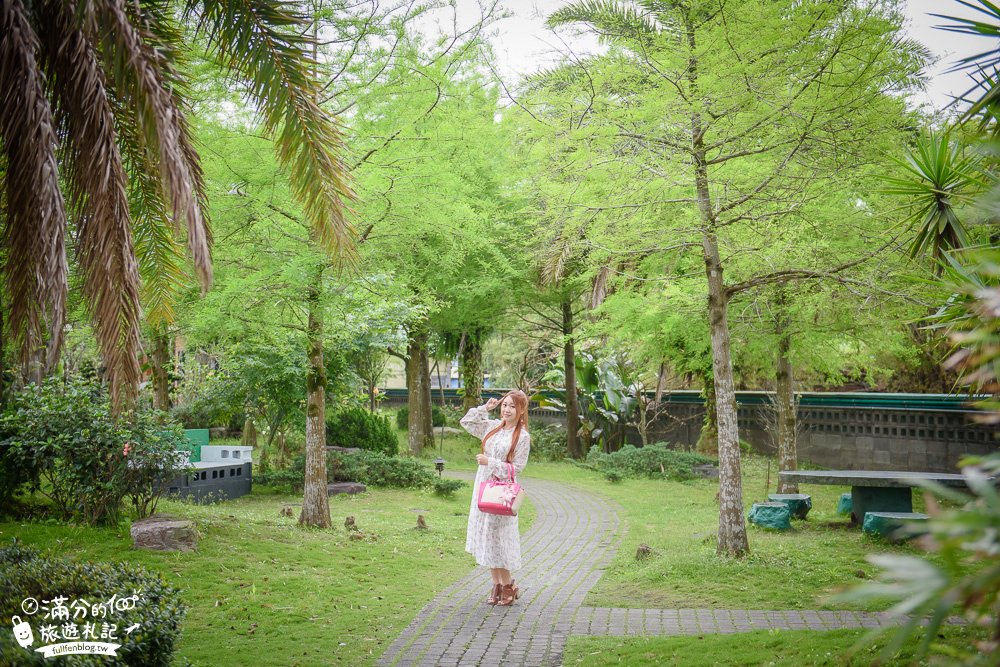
(266, 45)
(161, 258)
(980, 64)
(142, 75)
(97, 198)
(35, 212)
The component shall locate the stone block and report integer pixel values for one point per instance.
(350, 488)
(798, 504)
(844, 504)
(894, 525)
(164, 533)
(770, 515)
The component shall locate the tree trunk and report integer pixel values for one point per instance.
(708, 439)
(315, 500)
(161, 362)
(249, 438)
(732, 539)
(472, 369)
(573, 443)
(420, 431)
(787, 425)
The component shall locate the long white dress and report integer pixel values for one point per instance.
(494, 540)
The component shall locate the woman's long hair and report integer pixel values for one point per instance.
(521, 407)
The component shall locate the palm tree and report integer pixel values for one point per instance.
(93, 104)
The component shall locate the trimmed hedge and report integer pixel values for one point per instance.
(357, 427)
(26, 573)
(656, 461)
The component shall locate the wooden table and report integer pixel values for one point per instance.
(875, 490)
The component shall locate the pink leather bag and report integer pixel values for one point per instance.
(502, 497)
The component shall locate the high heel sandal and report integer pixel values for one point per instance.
(494, 596)
(508, 594)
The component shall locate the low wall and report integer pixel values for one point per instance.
(862, 431)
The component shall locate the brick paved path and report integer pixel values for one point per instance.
(570, 543)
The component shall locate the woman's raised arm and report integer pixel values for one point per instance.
(477, 422)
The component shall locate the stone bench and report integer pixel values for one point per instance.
(350, 488)
(798, 504)
(770, 515)
(845, 505)
(892, 525)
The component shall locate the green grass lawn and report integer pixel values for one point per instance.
(260, 586)
(798, 569)
(786, 648)
(261, 590)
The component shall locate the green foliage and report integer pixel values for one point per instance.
(378, 469)
(653, 461)
(357, 427)
(438, 417)
(446, 488)
(548, 443)
(604, 394)
(968, 540)
(61, 439)
(158, 611)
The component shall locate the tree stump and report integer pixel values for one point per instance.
(643, 552)
(421, 524)
(349, 523)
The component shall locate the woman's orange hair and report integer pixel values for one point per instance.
(521, 406)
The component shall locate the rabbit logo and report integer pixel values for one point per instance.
(22, 632)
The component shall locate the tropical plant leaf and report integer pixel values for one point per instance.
(267, 47)
(35, 212)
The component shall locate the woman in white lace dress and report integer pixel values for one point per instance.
(494, 540)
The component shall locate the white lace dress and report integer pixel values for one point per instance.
(494, 540)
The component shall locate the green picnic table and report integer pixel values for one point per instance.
(875, 490)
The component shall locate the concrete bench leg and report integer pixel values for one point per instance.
(866, 499)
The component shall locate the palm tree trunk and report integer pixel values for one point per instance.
(315, 499)
(161, 362)
(573, 444)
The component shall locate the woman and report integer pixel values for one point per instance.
(494, 540)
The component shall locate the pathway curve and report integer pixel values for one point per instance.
(565, 552)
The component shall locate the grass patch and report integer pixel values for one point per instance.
(797, 569)
(259, 585)
(773, 648)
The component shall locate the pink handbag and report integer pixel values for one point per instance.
(501, 497)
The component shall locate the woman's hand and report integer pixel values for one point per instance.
(482, 459)
(492, 403)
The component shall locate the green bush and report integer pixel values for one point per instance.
(61, 439)
(653, 461)
(158, 611)
(438, 417)
(447, 487)
(377, 469)
(549, 443)
(357, 427)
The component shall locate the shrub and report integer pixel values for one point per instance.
(438, 417)
(549, 443)
(357, 427)
(447, 487)
(377, 469)
(653, 461)
(61, 439)
(158, 611)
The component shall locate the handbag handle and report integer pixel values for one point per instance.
(510, 471)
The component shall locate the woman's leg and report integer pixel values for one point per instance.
(503, 576)
(495, 575)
